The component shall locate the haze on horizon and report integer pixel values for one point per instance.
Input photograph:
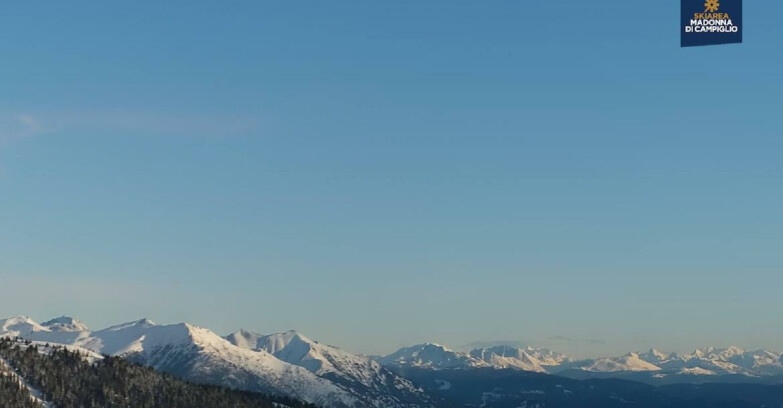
(379, 175)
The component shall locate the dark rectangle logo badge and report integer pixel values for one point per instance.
(710, 22)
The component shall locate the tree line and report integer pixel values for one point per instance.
(68, 380)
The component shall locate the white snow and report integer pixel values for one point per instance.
(292, 364)
(696, 371)
(321, 359)
(509, 357)
(432, 356)
(195, 353)
(58, 332)
(628, 362)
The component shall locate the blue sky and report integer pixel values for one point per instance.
(382, 173)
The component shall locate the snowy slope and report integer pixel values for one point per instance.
(21, 325)
(119, 340)
(438, 357)
(655, 357)
(193, 353)
(35, 395)
(44, 348)
(722, 361)
(546, 357)
(293, 365)
(705, 361)
(66, 324)
(365, 378)
(628, 362)
(709, 361)
(432, 356)
(508, 357)
(202, 356)
(56, 331)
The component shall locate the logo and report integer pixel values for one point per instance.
(710, 22)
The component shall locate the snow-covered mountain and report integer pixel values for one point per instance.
(293, 365)
(546, 357)
(366, 378)
(200, 355)
(438, 357)
(66, 324)
(627, 362)
(716, 361)
(708, 361)
(19, 326)
(522, 358)
(702, 362)
(654, 356)
(432, 356)
(508, 357)
(323, 375)
(192, 353)
(60, 330)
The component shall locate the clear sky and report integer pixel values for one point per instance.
(377, 174)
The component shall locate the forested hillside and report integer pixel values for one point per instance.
(13, 394)
(65, 379)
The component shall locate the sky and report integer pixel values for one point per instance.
(378, 174)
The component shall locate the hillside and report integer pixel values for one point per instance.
(287, 364)
(63, 378)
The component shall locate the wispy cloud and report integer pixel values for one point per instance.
(570, 340)
(19, 125)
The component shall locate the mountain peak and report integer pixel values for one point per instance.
(654, 356)
(430, 345)
(711, 351)
(19, 319)
(20, 325)
(432, 355)
(734, 350)
(145, 322)
(291, 334)
(66, 324)
(508, 357)
(271, 343)
(141, 323)
(276, 342)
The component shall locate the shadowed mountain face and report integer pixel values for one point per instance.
(432, 356)
(364, 376)
(710, 364)
(703, 365)
(513, 389)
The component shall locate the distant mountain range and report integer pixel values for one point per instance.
(436, 357)
(290, 364)
(702, 363)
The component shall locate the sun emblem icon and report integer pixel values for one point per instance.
(711, 6)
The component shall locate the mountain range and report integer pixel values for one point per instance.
(293, 365)
(704, 362)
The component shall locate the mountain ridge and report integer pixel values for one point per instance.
(294, 365)
(200, 355)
